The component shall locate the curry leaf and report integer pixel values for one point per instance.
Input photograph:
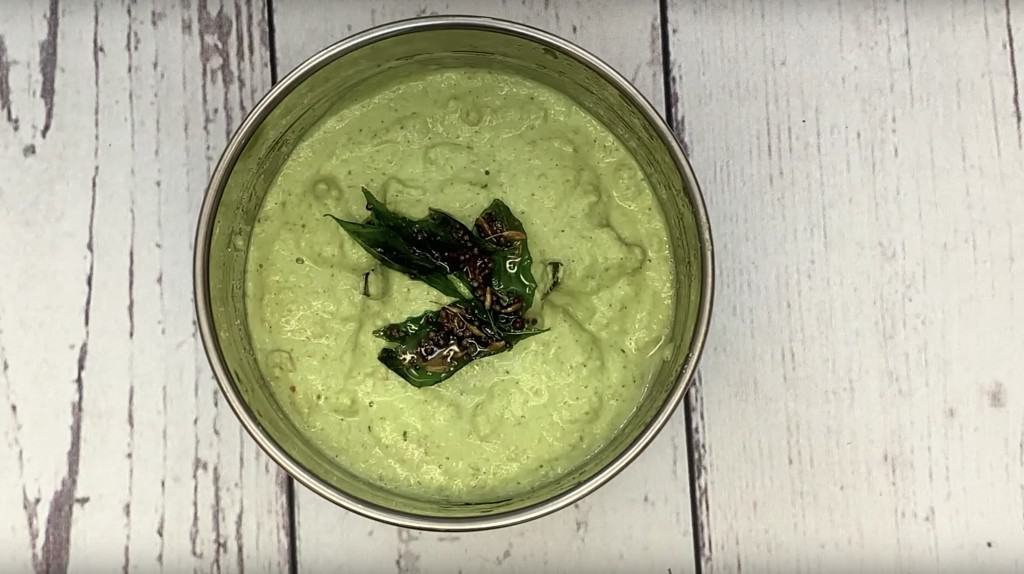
(437, 249)
(429, 348)
(512, 276)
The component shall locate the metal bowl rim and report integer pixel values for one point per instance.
(203, 310)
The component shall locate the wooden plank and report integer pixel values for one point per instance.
(117, 448)
(638, 523)
(863, 407)
(627, 36)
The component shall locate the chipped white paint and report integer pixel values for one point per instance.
(640, 522)
(116, 449)
(863, 399)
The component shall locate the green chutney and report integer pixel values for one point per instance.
(455, 140)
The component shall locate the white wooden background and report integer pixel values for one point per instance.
(861, 401)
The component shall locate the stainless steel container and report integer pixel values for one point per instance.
(262, 143)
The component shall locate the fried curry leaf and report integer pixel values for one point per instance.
(512, 275)
(431, 249)
(429, 348)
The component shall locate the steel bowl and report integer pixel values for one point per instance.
(274, 126)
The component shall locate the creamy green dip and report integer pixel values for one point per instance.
(455, 140)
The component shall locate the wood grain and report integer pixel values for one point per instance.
(116, 449)
(863, 406)
(638, 523)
